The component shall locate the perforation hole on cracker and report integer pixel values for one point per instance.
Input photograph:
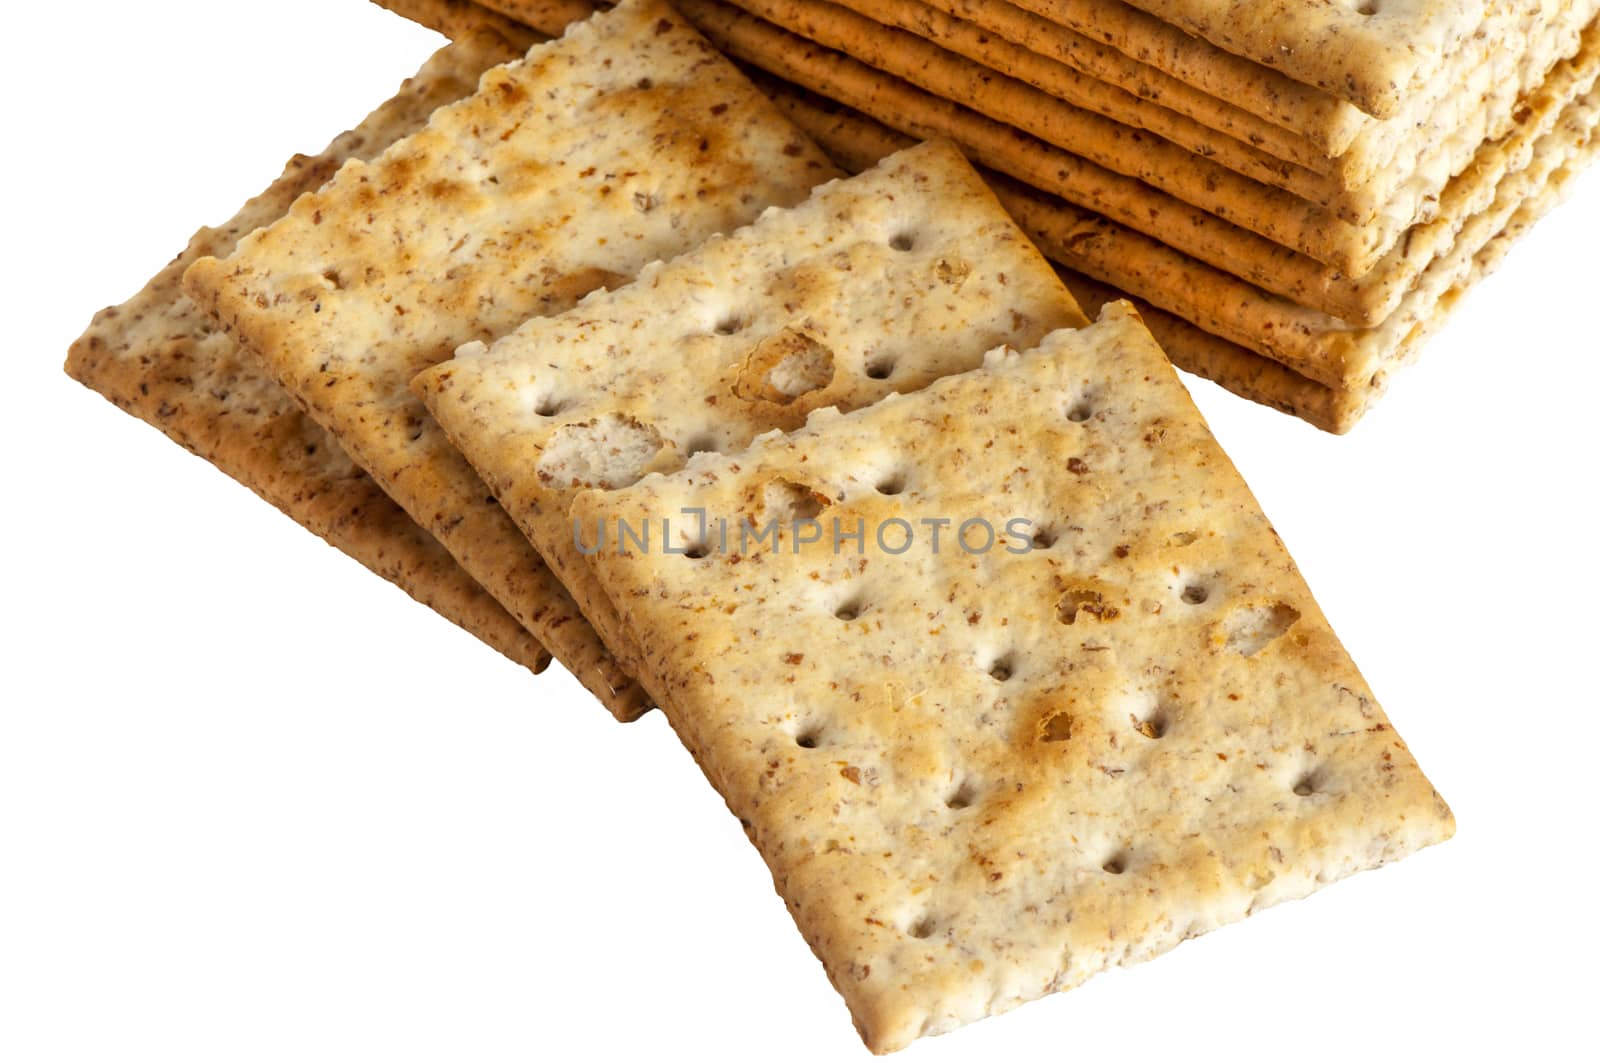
(850, 609)
(890, 483)
(1152, 724)
(701, 443)
(880, 369)
(962, 796)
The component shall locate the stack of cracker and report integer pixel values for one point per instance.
(1299, 191)
(595, 351)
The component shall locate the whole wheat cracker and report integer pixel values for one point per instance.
(980, 776)
(1372, 53)
(1363, 299)
(877, 284)
(1083, 241)
(628, 139)
(158, 357)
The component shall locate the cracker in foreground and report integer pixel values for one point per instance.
(985, 766)
(876, 284)
(159, 357)
(628, 140)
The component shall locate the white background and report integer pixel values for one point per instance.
(256, 805)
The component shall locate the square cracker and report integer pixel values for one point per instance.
(159, 357)
(880, 283)
(983, 769)
(627, 140)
